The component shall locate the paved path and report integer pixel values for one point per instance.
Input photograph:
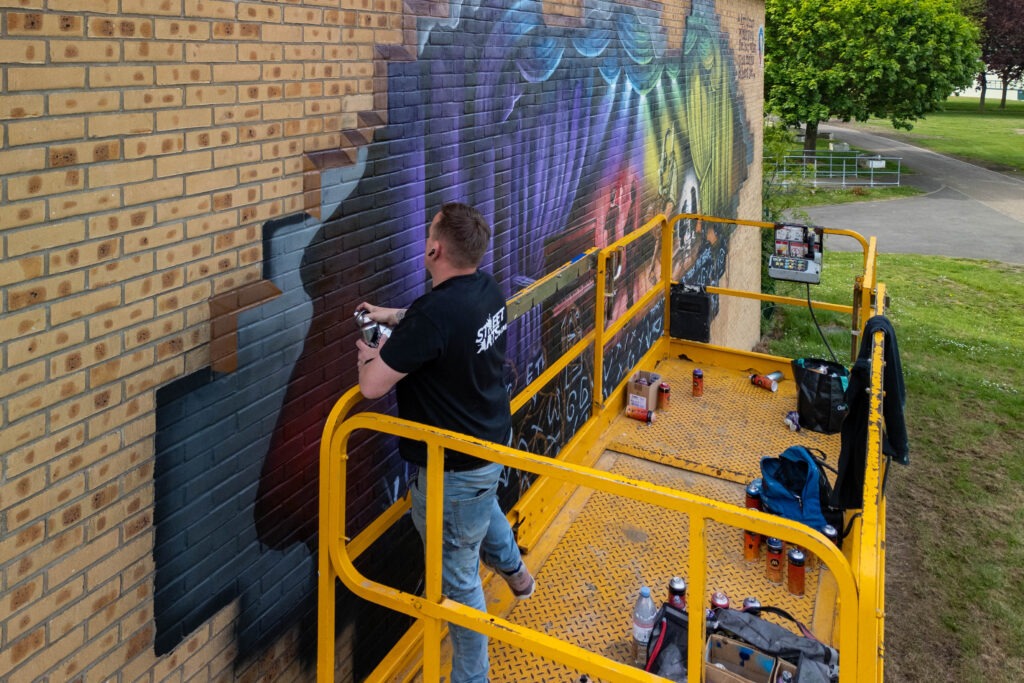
(966, 211)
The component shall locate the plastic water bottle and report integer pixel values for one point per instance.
(644, 612)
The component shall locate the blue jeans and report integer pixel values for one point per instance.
(475, 528)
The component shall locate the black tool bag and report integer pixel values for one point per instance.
(821, 394)
(666, 650)
(815, 661)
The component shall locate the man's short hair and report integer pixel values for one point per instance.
(465, 234)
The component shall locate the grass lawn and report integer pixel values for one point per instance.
(955, 556)
(993, 138)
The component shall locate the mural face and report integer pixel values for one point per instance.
(564, 137)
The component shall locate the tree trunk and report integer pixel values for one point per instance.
(1006, 86)
(984, 87)
(811, 139)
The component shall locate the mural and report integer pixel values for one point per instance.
(564, 137)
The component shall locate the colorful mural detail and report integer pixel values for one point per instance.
(564, 137)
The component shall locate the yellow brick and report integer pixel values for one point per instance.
(209, 53)
(237, 114)
(40, 291)
(211, 138)
(20, 324)
(121, 28)
(260, 93)
(183, 208)
(41, 345)
(22, 51)
(51, 605)
(25, 543)
(261, 213)
(15, 490)
(17, 599)
(154, 145)
(212, 222)
(153, 51)
(183, 74)
(121, 367)
(282, 188)
(147, 7)
(175, 29)
(84, 51)
(42, 184)
(116, 125)
(122, 317)
(144, 193)
(154, 238)
(197, 293)
(17, 271)
(151, 331)
(49, 24)
(199, 95)
(236, 73)
(82, 306)
(145, 382)
(211, 9)
(83, 255)
(19, 379)
(23, 213)
(315, 34)
(84, 102)
(83, 203)
(257, 172)
(180, 164)
(239, 197)
(218, 264)
(95, 6)
(84, 406)
(282, 72)
(238, 155)
(45, 450)
(48, 130)
(76, 554)
(263, 131)
(145, 288)
(21, 106)
(23, 432)
(22, 160)
(39, 399)
(183, 253)
(105, 175)
(115, 223)
(251, 11)
(45, 78)
(50, 498)
(120, 270)
(125, 411)
(256, 52)
(178, 119)
(83, 153)
(155, 98)
(121, 76)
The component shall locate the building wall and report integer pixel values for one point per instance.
(195, 196)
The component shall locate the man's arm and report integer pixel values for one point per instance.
(375, 376)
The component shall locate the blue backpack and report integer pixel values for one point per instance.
(794, 485)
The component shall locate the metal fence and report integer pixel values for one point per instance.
(840, 169)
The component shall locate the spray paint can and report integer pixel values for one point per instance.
(764, 382)
(641, 414)
(677, 593)
(773, 561)
(698, 382)
(719, 600)
(796, 572)
(664, 395)
(751, 604)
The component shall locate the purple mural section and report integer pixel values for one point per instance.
(565, 138)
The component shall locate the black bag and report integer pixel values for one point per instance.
(666, 650)
(821, 394)
(816, 662)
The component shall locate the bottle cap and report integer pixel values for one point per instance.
(645, 592)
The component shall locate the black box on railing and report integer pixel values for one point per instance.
(690, 313)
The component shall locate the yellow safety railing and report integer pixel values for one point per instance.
(858, 570)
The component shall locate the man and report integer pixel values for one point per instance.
(446, 357)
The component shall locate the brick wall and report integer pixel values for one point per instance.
(195, 194)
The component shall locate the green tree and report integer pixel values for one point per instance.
(857, 59)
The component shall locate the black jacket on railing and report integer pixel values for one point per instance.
(849, 486)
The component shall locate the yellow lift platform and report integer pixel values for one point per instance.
(626, 503)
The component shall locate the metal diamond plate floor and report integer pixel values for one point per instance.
(588, 580)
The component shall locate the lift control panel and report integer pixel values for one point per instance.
(797, 254)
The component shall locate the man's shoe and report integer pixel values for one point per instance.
(520, 581)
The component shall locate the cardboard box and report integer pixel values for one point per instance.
(781, 665)
(642, 390)
(730, 661)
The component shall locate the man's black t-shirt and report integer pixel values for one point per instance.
(451, 343)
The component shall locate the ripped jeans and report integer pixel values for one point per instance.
(475, 528)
